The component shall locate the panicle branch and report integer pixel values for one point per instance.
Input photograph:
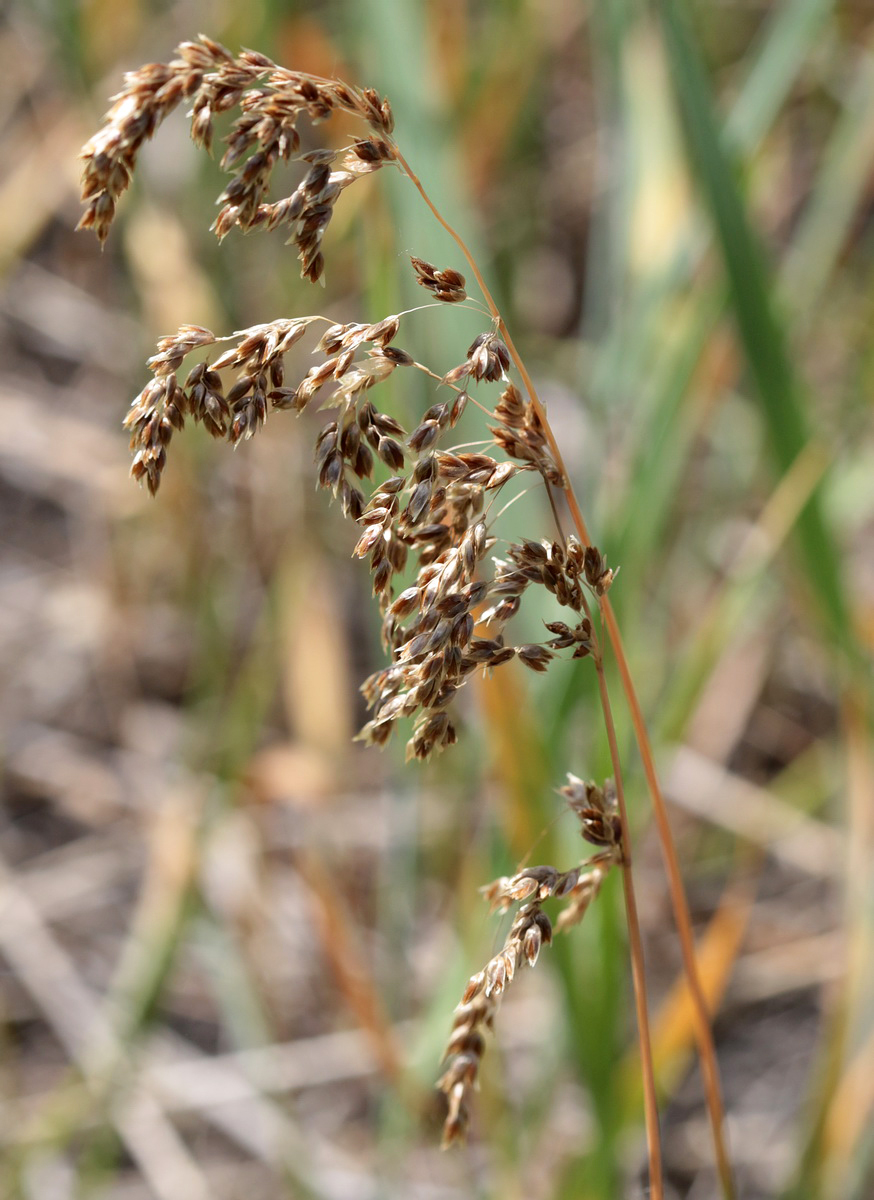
(531, 929)
(272, 100)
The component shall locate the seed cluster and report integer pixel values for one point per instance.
(477, 1011)
(234, 411)
(531, 929)
(446, 285)
(520, 434)
(272, 100)
(429, 627)
(596, 809)
(430, 509)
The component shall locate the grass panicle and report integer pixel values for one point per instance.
(423, 509)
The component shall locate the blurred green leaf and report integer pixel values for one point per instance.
(762, 333)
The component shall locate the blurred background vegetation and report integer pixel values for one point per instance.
(230, 939)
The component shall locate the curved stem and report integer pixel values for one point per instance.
(680, 905)
(638, 971)
(679, 902)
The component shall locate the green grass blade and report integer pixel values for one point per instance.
(761, 332)
(841, 184)
(785, 44)
(660, 373)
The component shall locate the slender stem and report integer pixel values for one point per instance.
(679, 902)
(638, 972)
(701, 1017)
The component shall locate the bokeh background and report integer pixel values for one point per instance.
(230, 939)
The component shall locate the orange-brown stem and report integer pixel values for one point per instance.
(638, 971)
(682, 917)
(679, 903)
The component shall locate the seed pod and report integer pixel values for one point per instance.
(376, 514)
(481, 650)
(363, 464)
(397, 554)
(598, 575)
(352, 501)
(241, 388)
(501, 656)
(535, 657)
(452, 605)
(458, 408)
(462, 371)
(395, 355)
(439, 636)
(406, 603)
(462, 630)
(368, 540)
(391, 452)
(331, 471)
(531, 943)
(500, 475)
(522, 886)
(425, 468)
(381, 577)
(333, 339)
(342, 363)
(496, 976)
(386, 424)
(438, 413)
(567, 882)
(366, 150)
(432, 533)
(419, 501)
(424, 436)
